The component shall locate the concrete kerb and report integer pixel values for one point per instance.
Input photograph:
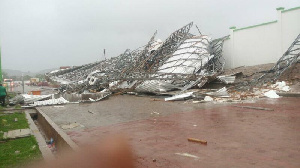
(46, 152)
(61, 139)
(289, 94)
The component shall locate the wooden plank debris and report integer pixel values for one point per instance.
(197, 140)
(255, 108)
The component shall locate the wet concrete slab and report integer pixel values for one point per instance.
(117, 109)
(236, 137)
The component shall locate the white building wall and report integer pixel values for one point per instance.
(290, 27)
(264, 43)
(255, 45)
(227, 53)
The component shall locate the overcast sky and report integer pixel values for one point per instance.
(42, 34)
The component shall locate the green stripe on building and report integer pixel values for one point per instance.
(262, 24)
(287, 10)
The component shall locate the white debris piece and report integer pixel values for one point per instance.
(208, 98)
(187, 155)
(112, 84)
(60, 100)
(54, 71)
(271, 94)
(220, 93)
(155, 86)
(70, 126)
(179, 97)
(190, 56)
(155, 113)
(19, 133)
(227, 79)
(32, 98)
(156, 44)
(60, 80)
(281, 86)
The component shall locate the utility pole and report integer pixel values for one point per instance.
(23, 83)
(104, 54)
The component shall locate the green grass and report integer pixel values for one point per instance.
(18, 106)
(10, 123)
(28, 151)
(11, 94)
(27, 147)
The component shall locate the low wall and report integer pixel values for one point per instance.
(61, 139)
(262, 43)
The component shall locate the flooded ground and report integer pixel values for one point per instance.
(158, 130)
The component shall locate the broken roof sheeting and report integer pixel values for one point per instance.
(168, 47)
(156, 66)
(190, 56)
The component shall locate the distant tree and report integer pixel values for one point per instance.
(5, 75)
(40, 76)
(19, 78)
(27, 77)
(14, 78)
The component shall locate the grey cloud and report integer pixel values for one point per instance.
(38, 35)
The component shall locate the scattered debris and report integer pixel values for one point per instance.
(51, 145)
(187, 155)
(281, 86)
(91, 112)
(27, 99)
(208, 99)
(183, 61)
(256, 108)
(220, 93)
(180, 97)
(227, 79)
(155, 113)
(60, 100)
(70, 126)
(180, 62)
(19, 133)
(197, 140)
(271, 94)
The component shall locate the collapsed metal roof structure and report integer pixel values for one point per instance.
(182, 61)
(287, 60)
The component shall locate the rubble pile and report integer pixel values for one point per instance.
(179, 63)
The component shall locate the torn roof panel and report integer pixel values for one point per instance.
(190, 56)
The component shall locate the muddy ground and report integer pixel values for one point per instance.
(158, 130)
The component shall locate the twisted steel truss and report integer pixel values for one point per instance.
(289, 58)
(181, 61)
